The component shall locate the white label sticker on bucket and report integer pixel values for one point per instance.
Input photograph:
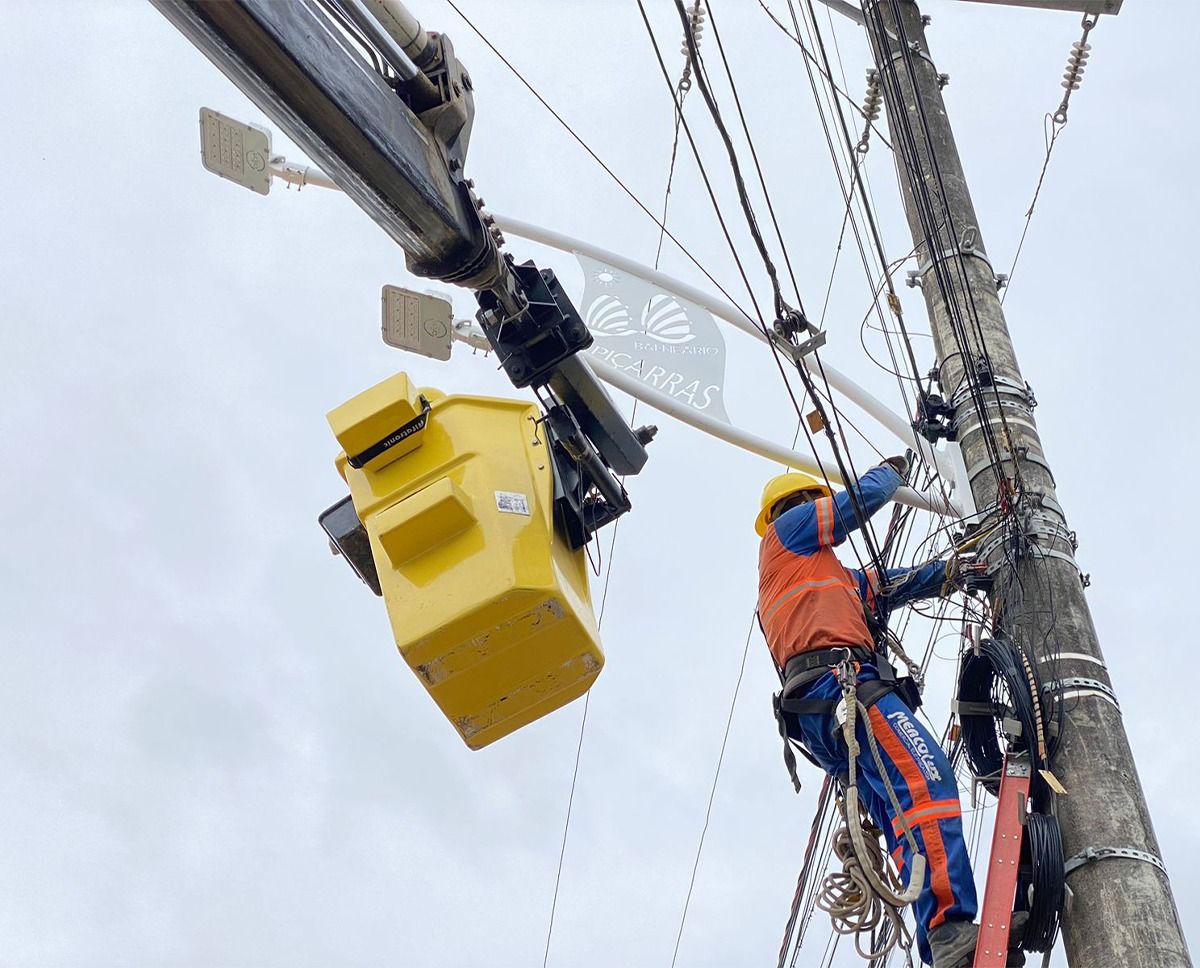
(512, 502)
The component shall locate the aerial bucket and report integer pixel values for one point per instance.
(488, 604)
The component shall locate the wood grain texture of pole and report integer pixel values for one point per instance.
(1121, 911)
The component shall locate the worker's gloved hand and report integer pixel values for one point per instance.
(900, 464)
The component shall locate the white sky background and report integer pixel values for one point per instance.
(211, 752)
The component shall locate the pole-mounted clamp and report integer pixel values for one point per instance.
(789, 327)
(1023, 454)
(1077, 687)
(1089, 854)
(1037, 551)
(913, 48)
(936, 418)
(1012, 388)
(1043, 500)
(797, 353)
(1057, 657)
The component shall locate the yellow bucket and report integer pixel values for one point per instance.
(488, 604)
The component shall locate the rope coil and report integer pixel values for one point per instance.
(848, 898)
(867, 894)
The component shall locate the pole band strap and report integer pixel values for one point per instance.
(1076, 687)
(1089, 854)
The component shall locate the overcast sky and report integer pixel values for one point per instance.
(212, 754)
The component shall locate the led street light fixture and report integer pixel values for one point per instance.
(417, 321)
(237, 151)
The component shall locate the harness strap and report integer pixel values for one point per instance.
(789, 757)
(869, 693)
(807, 707)
(824, 659)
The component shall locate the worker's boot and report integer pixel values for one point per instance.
(1016, 939)
(952, 944)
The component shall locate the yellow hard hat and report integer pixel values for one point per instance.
(783, 486)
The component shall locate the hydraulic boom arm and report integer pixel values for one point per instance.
(385, 108)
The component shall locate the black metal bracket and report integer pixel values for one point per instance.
(586, 494)
(549, 329)
(936, 418)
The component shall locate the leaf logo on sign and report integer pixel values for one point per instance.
(666, 341)
(665, 320)
(608, 316)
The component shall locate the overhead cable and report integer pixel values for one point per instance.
(696, 18)
(757, 165)
(853, 156)
(587, 698)
(808, 54)
(857, 180)
(595, 157)
(1054, 124)
(964, 320)
(804, 881)
(782, 310)
(712, 793)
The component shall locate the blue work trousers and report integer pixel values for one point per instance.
(925, 785)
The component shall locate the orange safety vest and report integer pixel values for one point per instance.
(807, 602)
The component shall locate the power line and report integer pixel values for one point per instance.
(582, 729)
(855, 162)
(682, 87)
(775, 221)
(570, 803)
(696, 153)
(754, 154)
(931, 224)
(1076, 64)
(782, 310)
(595, 157)
(608, 170)
(808, 54)
(712, 793)
(642, 206)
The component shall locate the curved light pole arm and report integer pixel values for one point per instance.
(465, 331)
(869, 403)
(302, 175)
(741, 438)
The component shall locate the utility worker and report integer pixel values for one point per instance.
(812, 613)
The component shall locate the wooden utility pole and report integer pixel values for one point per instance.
(1120, 910)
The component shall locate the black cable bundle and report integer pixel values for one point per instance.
(1047, 881)
(995, 674)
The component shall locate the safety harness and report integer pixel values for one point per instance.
(807, 667)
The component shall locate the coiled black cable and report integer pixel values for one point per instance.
(993, 674)
(1047, 882)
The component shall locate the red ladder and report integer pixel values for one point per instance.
(991, 951)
